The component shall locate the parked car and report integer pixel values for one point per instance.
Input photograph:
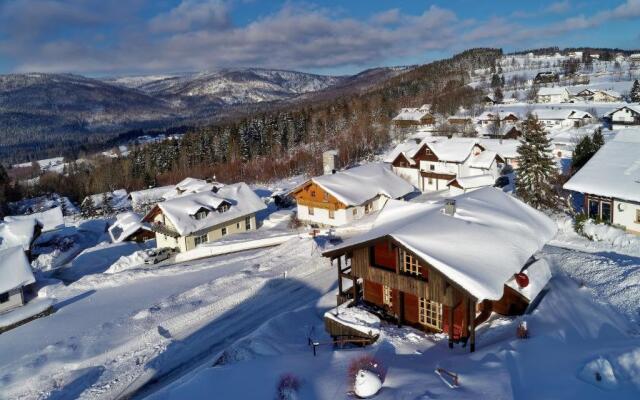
(154, 256)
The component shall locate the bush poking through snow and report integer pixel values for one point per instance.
(288, 387)
(365, 375)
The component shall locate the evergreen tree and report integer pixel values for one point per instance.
(582, 153)
(495, 81)
(635, 92)
(598, 140)
(537, 170)
(498, 96)
(88, 208)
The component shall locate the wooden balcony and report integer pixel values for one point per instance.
(318, 204)
(163, 229)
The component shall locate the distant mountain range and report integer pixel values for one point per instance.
(37, 109)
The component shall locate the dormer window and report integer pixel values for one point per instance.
(223, 207)
(202, 214)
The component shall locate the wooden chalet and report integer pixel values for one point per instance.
(337, 199)
(414, 273)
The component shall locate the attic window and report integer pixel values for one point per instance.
(202, 214)
(223, 207)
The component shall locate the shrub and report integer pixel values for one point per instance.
(287, 387)
(579, 222)
(294, 222)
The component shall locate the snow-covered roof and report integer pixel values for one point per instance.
(356, 186)
(118, 199)
(190, 186)
(506, 148)
(614, 171)
(49, 220)
(539, 275)
(560, 114)
(411, 114)
(243, 201)
(632, 107)
(17, 233)
(407, 148)
(151, 195)
(472, 182)
(15, 270)
(552, 91)
(611, 93)
(488, 239)
(483, 160)
(126, 224)
(453, 150)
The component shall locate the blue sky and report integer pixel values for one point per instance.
(120, 37)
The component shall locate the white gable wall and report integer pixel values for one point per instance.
(624, 213)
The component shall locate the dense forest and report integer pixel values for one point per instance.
(286, 140)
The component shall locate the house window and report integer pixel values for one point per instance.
(430, 181)
(224, 207)
(247, 223)
(313, 193)
(594, 209)
(367, 208)
(332, 214)
(4, 297)
(606, 211)
(637, 216)
(310, 210)
(238, 225)
(202, 214)
(325, 196)
(432, 167)
(410, 264)
(224, 231)
(387, 297)
(355, 212)
(430, 313)
(200, 239)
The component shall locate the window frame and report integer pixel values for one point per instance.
(310, 211)
(387, 296)
(247, 223)
(332, 214)
(198, 240)
(413, 264)
(223, 231)
(430, 313)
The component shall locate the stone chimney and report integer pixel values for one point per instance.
(450, 207)
(330, 162)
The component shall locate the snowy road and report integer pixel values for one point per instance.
(114, 332)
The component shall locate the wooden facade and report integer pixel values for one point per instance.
(412, 292)
(311, 194)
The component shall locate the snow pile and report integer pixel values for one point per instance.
(127, 262)
(355, 318)
(629, 364)
(367, 384)
(610, 235)
(599, 372)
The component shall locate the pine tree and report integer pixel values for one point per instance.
(498, 96)
(495, 81)
(582, 153)
(635, 92)
(537, 171)
(598, 140)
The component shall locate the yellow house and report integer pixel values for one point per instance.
(185, 222)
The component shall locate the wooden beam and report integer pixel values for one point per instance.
(400, 307)
(472, 345)
(340, 276)
(451, 327)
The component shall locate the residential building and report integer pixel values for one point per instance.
(626, 115)
(553, 95)
(610, 182)
(189, 220)
(420, 117)
(128, 226)
(434, 162)
(546, 77)
(562, 117)
(15, 275)
(446, 266)
(337, 199)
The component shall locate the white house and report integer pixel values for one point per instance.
(562, 118)
(627, 115)
(337, 199)
(606, 96)
(189, 220)
(507, 149)
(18, 233)
(15, 274)
(610, 182)
(436, 161)
(553, 95)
